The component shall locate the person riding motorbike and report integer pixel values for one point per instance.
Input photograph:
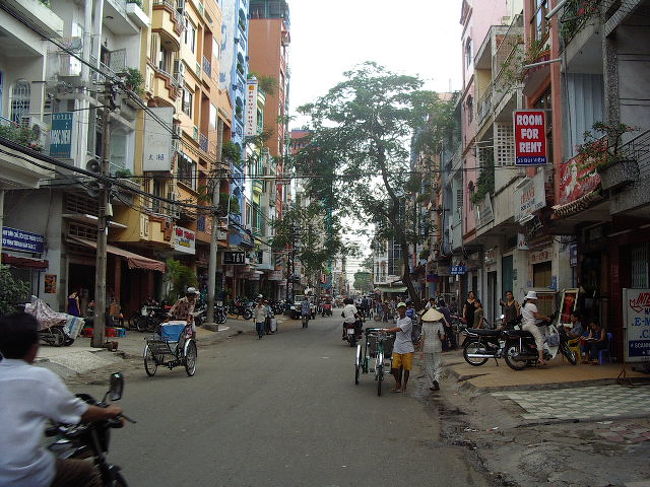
(183, 309)
(531, 320)
(305, 307)
(29, 397)
(350, 316)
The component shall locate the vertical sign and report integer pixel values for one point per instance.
(530, 137)
(636, 322)
(61, 135)
(250, 128)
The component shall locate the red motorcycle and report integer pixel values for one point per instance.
(326, 309)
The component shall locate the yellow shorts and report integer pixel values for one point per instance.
(403, 360)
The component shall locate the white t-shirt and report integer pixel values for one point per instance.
(29, 396)
(528, 314)
(348, 313)
(403, 340)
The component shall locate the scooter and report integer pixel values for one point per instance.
(480, 345)
(92, 440)
(520, 350)
(352, 332)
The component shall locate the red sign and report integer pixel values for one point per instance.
(530, 137)
(576, 180)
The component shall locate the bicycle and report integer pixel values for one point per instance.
(378, 346)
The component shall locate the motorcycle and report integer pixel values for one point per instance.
(55, 336)
(91, 440)
(201, 314)
(480, 345)
(520, 350)
(351, 333)
(326, 310)
(243, 309)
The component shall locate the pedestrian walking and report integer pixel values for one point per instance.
(479, 314)
(433, 334)
(450, 341)
(511, 309)
(469, 308)
(259, 314)
(402, 349)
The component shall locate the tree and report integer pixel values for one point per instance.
(359, 151)
(363, 281)
(180, 277)
(12, 291)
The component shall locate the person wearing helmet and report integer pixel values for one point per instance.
(183, 310)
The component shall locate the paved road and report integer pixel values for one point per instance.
(282, 411)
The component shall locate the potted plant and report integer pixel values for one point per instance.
(603, 153)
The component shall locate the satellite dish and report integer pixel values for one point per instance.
(93, 165)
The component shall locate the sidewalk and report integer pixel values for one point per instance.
(81, 357)
(557, 374)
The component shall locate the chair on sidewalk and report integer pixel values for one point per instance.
(574, 346)
(605, 355)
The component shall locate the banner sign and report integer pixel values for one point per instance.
(184, 240)
(530, 137)
(636, 323)
(484, 211)
(234, 258)
(457, 270)
(61, 135)
(250, 128)
(158, 151)
(529, 197)
(576, 180)
(14, 239)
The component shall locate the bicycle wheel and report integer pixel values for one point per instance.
(141, 323)
(150, 363)
(380, 378)
(59, 336)
(357, 365)
(190, 358)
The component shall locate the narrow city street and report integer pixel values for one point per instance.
(283, 411)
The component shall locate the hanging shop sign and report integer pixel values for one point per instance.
(21, 241)
(184, 240)
(61, 135)
(522, 243)
(484, 211)
(457, 270)
(530, 137)
(529, 197)
(234, 258)
(250, 128)
(576, 180)
(636, 324)
(275, 276)
(158, 144)
(539, 256)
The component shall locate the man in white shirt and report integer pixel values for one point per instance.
(29, 396)
(530, 318)
(402, 349)
(350, 314)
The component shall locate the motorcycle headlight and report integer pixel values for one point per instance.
(293, 308)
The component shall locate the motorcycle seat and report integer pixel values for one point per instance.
(482, 332)
(519, 333)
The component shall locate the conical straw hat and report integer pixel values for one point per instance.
(432, 315)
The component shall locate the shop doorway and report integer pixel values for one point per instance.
(492, 299)
(506, 274)
(82, 278)
(542, 274)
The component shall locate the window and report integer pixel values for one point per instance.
(639, 266)
(215, 48)
(213, 116)
(186, 171)
(190, 35)
(468, 52)
(188, 101)
(539, 22)
(469, 108)
(20, 99)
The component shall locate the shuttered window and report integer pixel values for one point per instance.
(639, 266)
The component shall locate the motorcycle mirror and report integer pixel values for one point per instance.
(502, 316)
(116, 386)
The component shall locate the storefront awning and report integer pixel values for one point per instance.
(134, 261)
(25, 262)
(384, 289)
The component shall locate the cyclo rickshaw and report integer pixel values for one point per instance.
(376, 349)
(172, 346)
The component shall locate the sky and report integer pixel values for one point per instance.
(414, 37)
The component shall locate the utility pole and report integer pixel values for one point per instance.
(214, 244)
(99, 323)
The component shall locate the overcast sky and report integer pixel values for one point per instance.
(414, 37)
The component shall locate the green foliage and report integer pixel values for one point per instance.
(137, 2)
(424, 254)
(513, 72)
(363, 281)
(134, 79)
(266, 84)
(12, 291)
(234, 203)
(123, 173)
(485, 182)
(602, 151)
(21, 135)
(231, 152)
(438, 125)
(180, 277)
(576, 14)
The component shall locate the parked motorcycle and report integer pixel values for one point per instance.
(55, 336)
(151, 314)
(243, 309)
(520, 350)
(91, 440)
(481, 345)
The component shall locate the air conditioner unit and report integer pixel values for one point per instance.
(179, 67)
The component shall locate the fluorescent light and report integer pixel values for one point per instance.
(555, 9)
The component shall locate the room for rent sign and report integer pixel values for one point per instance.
(530, 137)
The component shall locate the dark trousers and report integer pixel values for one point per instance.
(76, 473)
(259, 327)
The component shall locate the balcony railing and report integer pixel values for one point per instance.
(639, 149)
(207, 66)
(510, 46)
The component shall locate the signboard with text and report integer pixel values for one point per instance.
(21, 241)
(576, 180)
(458, 270)
(529, 197)
(158, 150)
(61, 135)
(250, 129)
(636, 324)
(530, 137)
(234, 258)
(184, 240)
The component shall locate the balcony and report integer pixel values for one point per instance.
(38, 15)
(168, 23)
(203, 142)
(164, 86)
(117, 19)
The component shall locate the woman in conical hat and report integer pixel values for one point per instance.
(433, 333)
